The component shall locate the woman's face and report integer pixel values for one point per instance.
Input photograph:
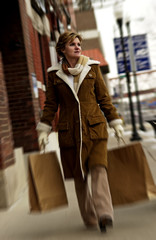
(72, 49)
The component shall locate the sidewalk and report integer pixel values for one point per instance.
(135, 221)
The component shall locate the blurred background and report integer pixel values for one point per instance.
(120, 34)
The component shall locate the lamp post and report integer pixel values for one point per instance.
(134, 75)
(119, 20)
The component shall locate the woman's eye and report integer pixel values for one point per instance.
(73, 44)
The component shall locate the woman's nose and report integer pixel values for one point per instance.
(77, 46)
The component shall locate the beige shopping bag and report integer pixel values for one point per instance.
(46, 185)
(129, 175)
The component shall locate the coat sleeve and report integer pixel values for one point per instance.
(51, 103)
(103, 97)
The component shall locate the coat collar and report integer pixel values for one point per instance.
(64, 77)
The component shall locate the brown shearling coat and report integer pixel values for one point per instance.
(83, 114)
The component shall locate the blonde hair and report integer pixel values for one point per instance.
(68, 36)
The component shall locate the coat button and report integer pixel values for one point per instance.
(90, 75)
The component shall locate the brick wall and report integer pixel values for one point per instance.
(41, 59)
(6, 140)
(46, 53)
(36, 55)
(18, 69)
(35, 116)
(46, 59)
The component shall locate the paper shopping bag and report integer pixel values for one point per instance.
(129, 175)
(46, 185)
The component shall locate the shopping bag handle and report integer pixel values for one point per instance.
(121, 139)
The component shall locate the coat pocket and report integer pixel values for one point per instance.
(97, 128)
(64, 135)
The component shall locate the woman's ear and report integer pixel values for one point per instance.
(63, 50)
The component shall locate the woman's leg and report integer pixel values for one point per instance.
(85, 202)
(101, 193)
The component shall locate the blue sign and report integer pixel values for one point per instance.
(141, 55)
(120, 56)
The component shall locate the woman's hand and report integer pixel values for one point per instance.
(118, 131)
(42, 139)
(43, 132)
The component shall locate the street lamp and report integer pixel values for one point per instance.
(119, 19)
(134, 74)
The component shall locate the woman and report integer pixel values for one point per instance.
(77, 86)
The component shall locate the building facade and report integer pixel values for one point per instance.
(28, 33)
